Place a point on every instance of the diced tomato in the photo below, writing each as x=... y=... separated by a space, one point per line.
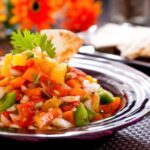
x=77 y=71
x=35 y=98
x=97 y=117
x=75 y=103
x=1 y=53
x=53 y=89
x=6 y=114
x=69 y=106
x=30 y=63
x=1 y=77
x=43 y=77
x=106 y=115
x=20 y=68
x=26 y=113
x=18 y=95
x=56 y=89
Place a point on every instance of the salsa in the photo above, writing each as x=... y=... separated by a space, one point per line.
x=38 y=92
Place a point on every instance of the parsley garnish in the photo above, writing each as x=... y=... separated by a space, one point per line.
x=25 y=40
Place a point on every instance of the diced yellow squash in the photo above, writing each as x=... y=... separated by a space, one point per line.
x=58 y=73
x=51 y=103
x=44 y=65
x=95 y=102
x=5 y=70
x=91 y=79
x=19 y=60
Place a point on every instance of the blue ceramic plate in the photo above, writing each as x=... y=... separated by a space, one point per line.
x=132 y=85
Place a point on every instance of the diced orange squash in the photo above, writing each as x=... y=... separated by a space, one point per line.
x=111 y=107
x=69 y=116
x=8 y=88
x=55 y=112
x=73 y=83
x=45 y=66
x=4 y=81
x=58 y=73
x=33 y=92
x=97 y=117
x=17 y=82
x=45 y=118
x=115 y=104
x=77 y=91
x=30 y=74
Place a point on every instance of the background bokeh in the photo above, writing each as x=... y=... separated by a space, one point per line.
x=74 y=15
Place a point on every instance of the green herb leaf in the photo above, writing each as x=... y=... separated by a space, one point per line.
x=25 y=40
x=46 y=45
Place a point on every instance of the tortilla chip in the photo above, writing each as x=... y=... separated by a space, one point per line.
x=66 y=43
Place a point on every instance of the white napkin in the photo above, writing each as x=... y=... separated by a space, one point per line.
x=132 y=41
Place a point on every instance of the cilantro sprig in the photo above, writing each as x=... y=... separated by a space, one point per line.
x=25 y=40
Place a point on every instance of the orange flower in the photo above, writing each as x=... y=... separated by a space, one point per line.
x=32 y=13
x=3 y=16
x=58 y=4
x=77 y=15
x=80 y=15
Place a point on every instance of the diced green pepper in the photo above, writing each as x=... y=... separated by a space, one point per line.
x=81 y=116
x=106 y=97
x=91 y=113
x=7 y=101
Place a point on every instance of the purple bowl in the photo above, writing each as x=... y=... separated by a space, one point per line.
x=132 y=85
